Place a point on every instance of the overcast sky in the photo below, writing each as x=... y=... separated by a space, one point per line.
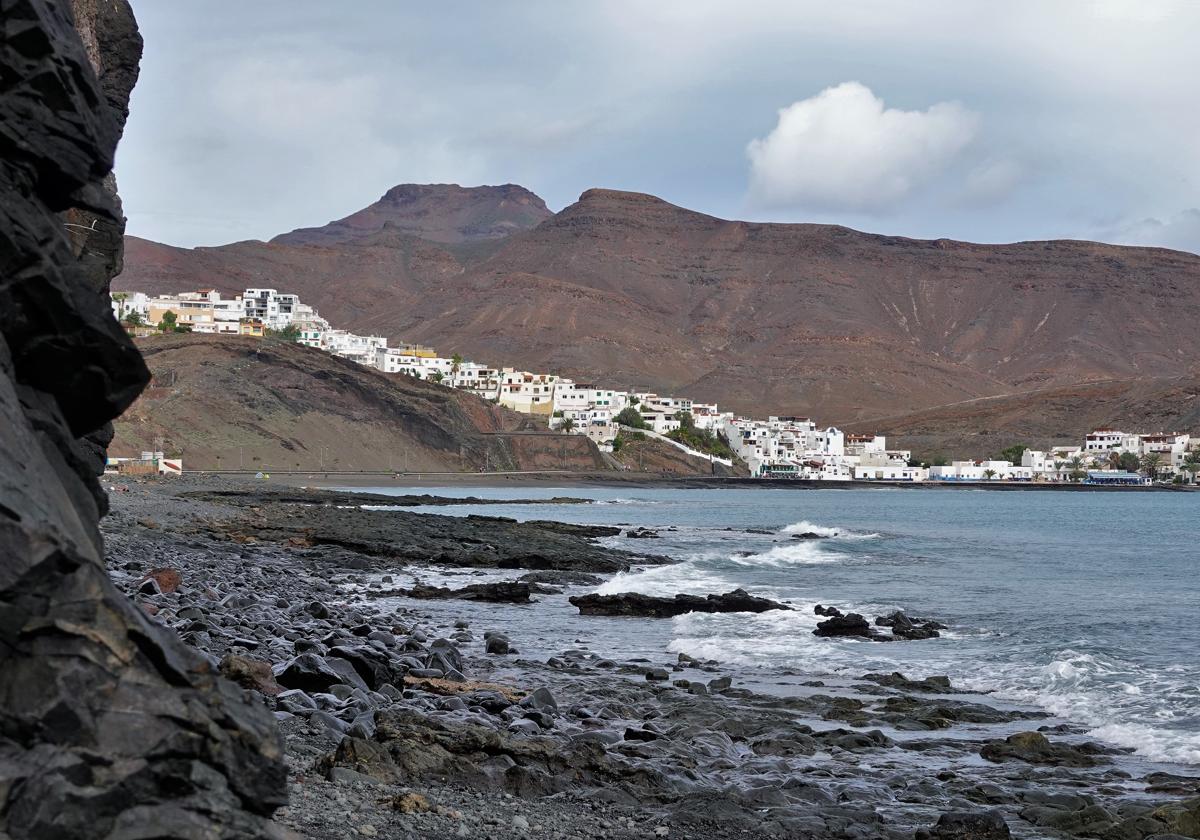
x=987 y=121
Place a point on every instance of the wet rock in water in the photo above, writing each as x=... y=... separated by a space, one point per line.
x=562 y=578
x=832 y=612
x=317 y=610
x=587 y=531
x=1036 y=748
x=634 y=603
x=851 y=625
x=720 y=683
x=165 y=580
x=810 y=535
x=1160 y=782
x=307 y=672
x=968 y=825
x=904 y=627
x=496 y=644
x=658 y=674
x=642 y=534
x=507 y=592
x=937 y=684
x=255 y=674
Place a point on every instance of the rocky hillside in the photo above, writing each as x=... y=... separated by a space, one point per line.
x=765 y=318
x=234 y=403
x=1057 y=415
x=445 y=213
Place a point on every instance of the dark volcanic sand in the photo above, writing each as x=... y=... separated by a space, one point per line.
x=575 y=746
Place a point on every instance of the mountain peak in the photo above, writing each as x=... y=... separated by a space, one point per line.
x=445 y=213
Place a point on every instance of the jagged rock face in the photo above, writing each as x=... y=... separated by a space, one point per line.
x=109 y=726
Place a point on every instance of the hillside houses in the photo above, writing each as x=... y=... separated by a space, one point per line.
x=777 y=447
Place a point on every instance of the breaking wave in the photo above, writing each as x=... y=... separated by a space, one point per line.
x=806 y=527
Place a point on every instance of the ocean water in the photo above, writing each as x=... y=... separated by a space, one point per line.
x=1085 y=605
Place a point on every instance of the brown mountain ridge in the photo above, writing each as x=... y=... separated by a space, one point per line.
x=627 y=289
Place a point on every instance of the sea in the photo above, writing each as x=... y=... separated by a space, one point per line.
x=1086 y=605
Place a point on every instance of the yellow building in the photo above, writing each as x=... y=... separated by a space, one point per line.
x=250 y=326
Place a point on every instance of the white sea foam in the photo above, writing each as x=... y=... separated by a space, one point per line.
x=667 y=581
x=806 y=527
x=790 y=554
x=1152 y=743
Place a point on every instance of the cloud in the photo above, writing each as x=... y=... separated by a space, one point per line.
x=993 y=180
x=843 y=149
x=1180 y=231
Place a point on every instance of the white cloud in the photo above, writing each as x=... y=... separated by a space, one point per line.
x=843 y=149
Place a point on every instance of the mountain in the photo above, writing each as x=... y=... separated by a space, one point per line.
x=445 y=213
x=627 y=289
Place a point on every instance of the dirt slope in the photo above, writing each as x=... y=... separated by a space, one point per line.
x=241 y=402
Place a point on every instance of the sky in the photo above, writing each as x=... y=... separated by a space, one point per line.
x=984 y=121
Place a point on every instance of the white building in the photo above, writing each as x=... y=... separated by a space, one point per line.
x=528 y=393
x=889 y=472
x=348 y=345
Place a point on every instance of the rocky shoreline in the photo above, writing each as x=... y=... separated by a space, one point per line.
x=412 y=717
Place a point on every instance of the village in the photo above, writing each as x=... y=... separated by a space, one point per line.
x=777 y=447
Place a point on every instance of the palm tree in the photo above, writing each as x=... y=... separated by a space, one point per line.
x=1151 y=464
x=1191 y=464
x=455 y=364
x=1077 y=467
x=567 y=425
x=1058 y=467
x=989 y=474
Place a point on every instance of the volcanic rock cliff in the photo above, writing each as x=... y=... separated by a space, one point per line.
x=109 y=726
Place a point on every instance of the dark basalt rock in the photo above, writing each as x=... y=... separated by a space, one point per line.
x=633 y=603
x=109 y=725
x=968 y=825
x=851 y=624
x=642 y=534
x=1036 y=748
x=507 y=592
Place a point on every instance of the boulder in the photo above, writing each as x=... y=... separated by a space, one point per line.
x=307 y=672
x=369 y=758
x=634 y=603
x=1036 y=748
x=166 y=580
x=251 y=673
x=375 y=667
